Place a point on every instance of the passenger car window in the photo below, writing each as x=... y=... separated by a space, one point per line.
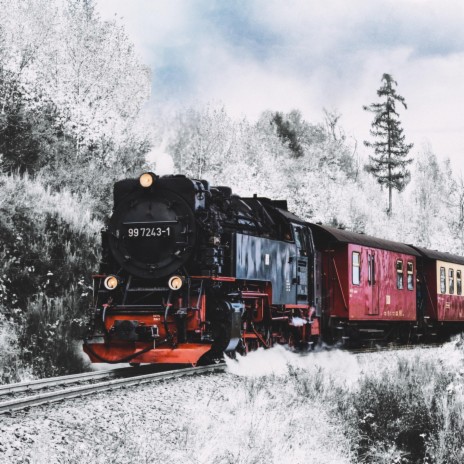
x=399 y=274
x=410 y=275
x=458 y=283
x=369 y=269
x=356 y=268
x=442 y=280
x=451 y=280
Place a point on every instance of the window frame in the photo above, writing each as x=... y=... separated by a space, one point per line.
x=356 y=266
x=300 y=240
x=373 y=268
x=451 y=280
x=410 y=275
x=369 y=269
x=442 y=280
x=399 y=272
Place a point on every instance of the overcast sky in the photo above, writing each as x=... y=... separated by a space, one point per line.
x=254 y=55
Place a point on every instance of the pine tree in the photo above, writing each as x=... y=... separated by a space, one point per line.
x=389 y=163
x=287 y=132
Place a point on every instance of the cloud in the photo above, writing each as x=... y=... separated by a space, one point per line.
x=306 y=54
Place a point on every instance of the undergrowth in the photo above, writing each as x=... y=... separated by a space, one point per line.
x=392 y=408
x=50 y=247
x=275 y=406
x=409 y=411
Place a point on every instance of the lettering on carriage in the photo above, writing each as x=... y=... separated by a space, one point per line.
x=396 y=313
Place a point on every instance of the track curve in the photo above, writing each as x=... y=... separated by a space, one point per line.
x=75 y=392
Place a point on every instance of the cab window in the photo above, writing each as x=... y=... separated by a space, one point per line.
x=301 y=242
x=287 y=234
x=356 y=268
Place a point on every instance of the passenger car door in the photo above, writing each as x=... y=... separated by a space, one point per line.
x=372 y=288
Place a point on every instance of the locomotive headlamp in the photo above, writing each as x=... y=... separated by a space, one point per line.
x=146 y=180
x=175 y=282
x=111 y=282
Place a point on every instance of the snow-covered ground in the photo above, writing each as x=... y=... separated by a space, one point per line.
x=271 y=407
x=254 y=413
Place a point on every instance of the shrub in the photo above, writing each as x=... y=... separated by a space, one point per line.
x=392 y=414
x=51 y=248
x=11 y=366
x=49 y=333
x=408 y=411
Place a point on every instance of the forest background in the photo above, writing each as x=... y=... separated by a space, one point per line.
x=73 y=119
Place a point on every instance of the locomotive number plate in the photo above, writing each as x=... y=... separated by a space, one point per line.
x=155 y=232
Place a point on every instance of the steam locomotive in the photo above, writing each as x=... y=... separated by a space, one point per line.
x=190 y=271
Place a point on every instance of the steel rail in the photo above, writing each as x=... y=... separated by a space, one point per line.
x=75 y=392
x=58 y=395
x=383 y=349
x=63 y=380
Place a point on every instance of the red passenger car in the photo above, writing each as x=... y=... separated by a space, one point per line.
x=369 y=285
x=440 y=295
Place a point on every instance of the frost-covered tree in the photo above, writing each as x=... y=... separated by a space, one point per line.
x=71 y=92
x=87 y=66
x=429 y=195
x=389 y=162
x=254 y=157
x=201 y=141
x=453 y=196
x=100 y=78
x=317 y=146
x=287 y=130
x=27 y=126
x=457 y=225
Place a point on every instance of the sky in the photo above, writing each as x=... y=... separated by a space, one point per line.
x=256 y=55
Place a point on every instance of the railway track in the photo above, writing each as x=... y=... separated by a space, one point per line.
x=29 y=387
x=59 y=394
x=33 y=385
x=381 y=349
x=117 y=378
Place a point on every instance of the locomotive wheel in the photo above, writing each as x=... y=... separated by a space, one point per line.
x=315 y=342
x=211 y=357
x=404 y=334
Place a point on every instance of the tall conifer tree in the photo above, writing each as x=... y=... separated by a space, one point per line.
x=389 y=162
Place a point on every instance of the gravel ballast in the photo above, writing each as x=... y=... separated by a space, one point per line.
x=248 y=415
